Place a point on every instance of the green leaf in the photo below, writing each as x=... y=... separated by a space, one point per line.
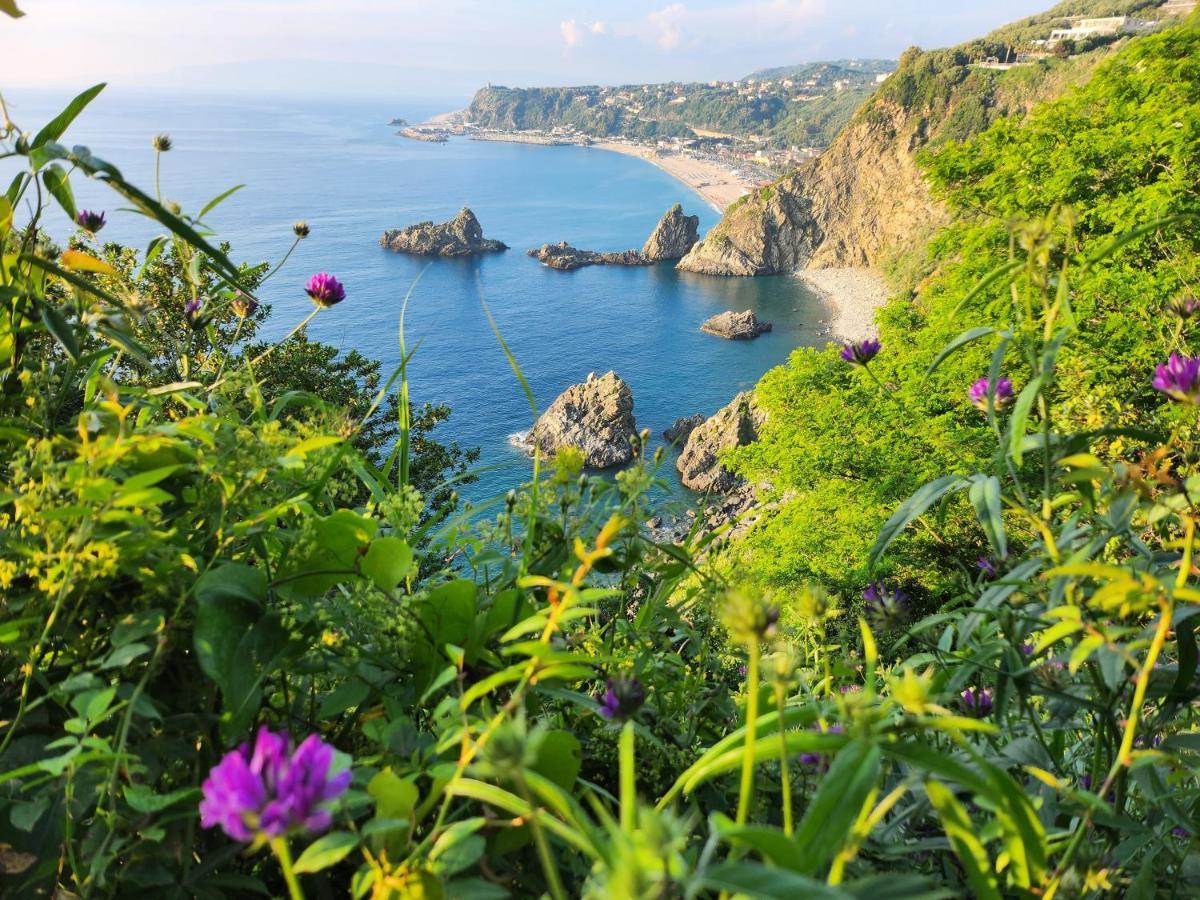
x=957 y=344
x=228 y=600
x=559 y=758
x=352 y=693
x=54 y=129
x=387 y=561
x=9 y=8
x=458 y=846
x=834 y=808
x=914 y=506
x=59 y=185
x=61 y=331
x=142 y=798
x=751 y=879
x=985 y=497
x=775 y=847
x=325 y=852
x=218 y=200
x=962 y=834
x=1020 y=413
x=449 y=612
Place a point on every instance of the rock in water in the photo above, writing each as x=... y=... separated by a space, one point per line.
x=736 y=326
x=564 y=257
x=683 y=427
x=461 y=236
x=673 y=236
x=595 y=417
x=735 y=425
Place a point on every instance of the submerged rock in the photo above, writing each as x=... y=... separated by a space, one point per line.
x=566 y=258
x=461 y=236
x=736 y=326
x=735 y=425
x=673 y=237
x=682 y=428
x=596 y=417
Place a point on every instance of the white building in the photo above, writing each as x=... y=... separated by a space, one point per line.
x=1106 y=27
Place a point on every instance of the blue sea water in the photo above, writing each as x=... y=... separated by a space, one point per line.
x=341 y=168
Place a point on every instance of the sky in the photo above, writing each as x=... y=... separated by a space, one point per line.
x=448 y=48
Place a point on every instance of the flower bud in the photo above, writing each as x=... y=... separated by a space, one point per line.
x=161 y=143
x=300 y=229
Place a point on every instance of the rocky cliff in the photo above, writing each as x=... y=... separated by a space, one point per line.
x=865 y=201
x=673 y=236
x=595 y=417
x=735 y=326
x=732 y=426
x=461 y=236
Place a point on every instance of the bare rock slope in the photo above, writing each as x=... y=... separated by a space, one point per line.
x=461 y=236
x=735 y=425
x=673 y=236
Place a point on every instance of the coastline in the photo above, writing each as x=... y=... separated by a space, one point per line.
x=852 y=295
x=715 y=183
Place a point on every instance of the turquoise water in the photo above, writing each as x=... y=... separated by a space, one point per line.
x=342 y=169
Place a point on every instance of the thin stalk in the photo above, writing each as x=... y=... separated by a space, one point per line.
x=746 y=793
x=545 y=856
x=785 y=772
x=279 y=847
x=628 y=780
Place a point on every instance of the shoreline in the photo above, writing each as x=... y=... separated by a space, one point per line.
x=715 y=183
x=852 y=295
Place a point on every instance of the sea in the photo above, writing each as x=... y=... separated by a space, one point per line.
x=339 y=166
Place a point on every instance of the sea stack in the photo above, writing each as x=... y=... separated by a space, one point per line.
x=673 y=237
x=735 y=425
x=461 y=236
x=565 y=258
x=595 y=417
x=736 y=326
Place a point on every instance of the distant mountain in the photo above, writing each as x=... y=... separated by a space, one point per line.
x=802 y=105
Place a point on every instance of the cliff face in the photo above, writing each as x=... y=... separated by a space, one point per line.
x=865 y=200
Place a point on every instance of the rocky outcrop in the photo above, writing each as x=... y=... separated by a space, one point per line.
x=678 y=432
x=865 y=199
x=564 y=257
x=735 y=425
x=736 y=326
x=596 y=417
x=461 y=236
x=673 y=236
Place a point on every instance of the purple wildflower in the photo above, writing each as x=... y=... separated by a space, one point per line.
x=325 y=290
x=243 y=305
x=1184 y=306
x=1179 y=378
x=89 y=220
x=817 y=760
x=271 y=789
x=1027 y=649
x=978 y=393
x=885 y=605
x=1179 y=832
x=622 y=699
x=986 y=567
x=859 y=353
x=977 y=701
x=191 y=312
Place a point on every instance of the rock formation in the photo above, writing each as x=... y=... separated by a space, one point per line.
x=673 y=236
x=566 y=258
x=596 y=417
x=735 y=425
x=461 y=236
x=736 y=326
x=682 y=428
x=865 y=199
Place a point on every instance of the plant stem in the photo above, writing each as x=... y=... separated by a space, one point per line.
x=279 y=847
x=747 y=788
x=549 y=867
x=628 y=780
x=785 y=773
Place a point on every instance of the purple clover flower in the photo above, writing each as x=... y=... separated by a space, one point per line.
x=325 y=290
x=1179 y=378
x=191 y=312
x=978 y=393
x=977 y=701
x=89 y=220
x=859 y=353
x=986 y=567
x=1184 y=306
x=622 y=699
x=271 y=789
x=817 y=760
x=885 y=605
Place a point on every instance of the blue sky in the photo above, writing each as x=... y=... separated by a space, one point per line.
x=445 y=49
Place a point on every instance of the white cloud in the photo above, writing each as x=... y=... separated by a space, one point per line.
x=667 y=24
x=572 y=33
x=598 y=28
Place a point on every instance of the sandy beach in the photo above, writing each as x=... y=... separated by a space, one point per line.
x=712 y=181
x=853 y=295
